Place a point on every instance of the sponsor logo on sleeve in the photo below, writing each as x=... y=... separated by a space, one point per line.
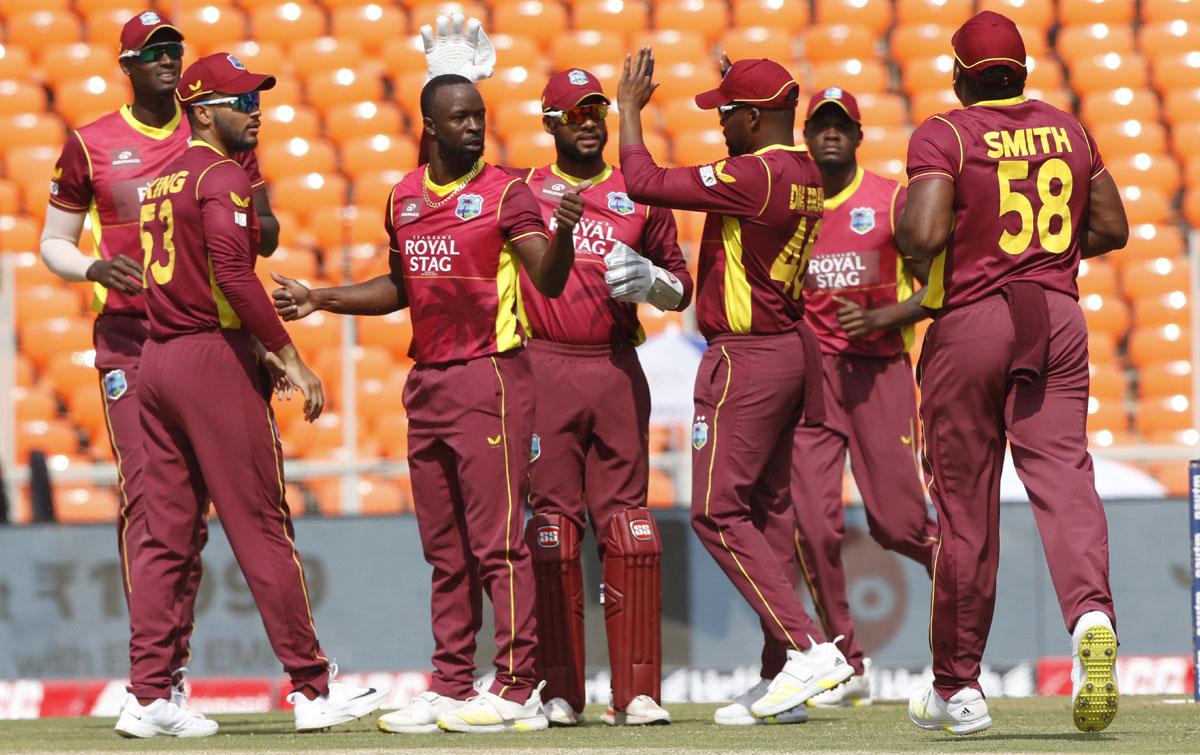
x=620 y=203
x=469 y=206
x=707 y=175
x=699 y=433
x=577 y=77
x=548 y=536
x=862 y=220
x=115 y=384
x=641 y=530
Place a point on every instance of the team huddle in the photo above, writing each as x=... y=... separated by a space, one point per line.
x=523 y=285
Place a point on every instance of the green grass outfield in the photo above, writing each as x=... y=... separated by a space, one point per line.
x=1144 y=724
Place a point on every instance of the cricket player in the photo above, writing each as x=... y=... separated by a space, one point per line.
x=759 y=377
x=460 y=231
x=101 y=174
x=858 y=299
x=206 y=415
x=1005 y=196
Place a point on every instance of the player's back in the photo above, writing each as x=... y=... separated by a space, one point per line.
x=181 y=287
x=1022 y=171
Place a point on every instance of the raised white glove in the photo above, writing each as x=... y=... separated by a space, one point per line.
x=633 y=278
x=451 y=50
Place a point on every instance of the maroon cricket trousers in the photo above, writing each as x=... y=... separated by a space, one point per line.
x=119 y=340
x=969 y=405
x=469 y=432
x=870 y=412
x=209 y=432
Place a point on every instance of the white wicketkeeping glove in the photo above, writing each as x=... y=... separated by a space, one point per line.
x=451 y=50
x=633 y=278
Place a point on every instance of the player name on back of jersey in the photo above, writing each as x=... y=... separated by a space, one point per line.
x=1027 y=142
x=163 y=185
x=430 y=255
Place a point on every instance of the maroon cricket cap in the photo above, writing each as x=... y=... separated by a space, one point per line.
x=986 y=40
x=138 y=30
x=837 y=97
x=219 y=72
x=763 y=83
x=566 y=89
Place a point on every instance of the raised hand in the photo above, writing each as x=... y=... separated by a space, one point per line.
x=636 y=85
x=121 y=273
x=293 y=299
x=451 y=49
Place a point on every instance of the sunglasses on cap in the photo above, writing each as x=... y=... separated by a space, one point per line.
x=151 y=53
x=243 y=103
x=581 y=114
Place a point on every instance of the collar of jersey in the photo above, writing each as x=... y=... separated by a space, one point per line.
x=834 y=202
x=772 y=147
x=1002 y=103
x=151 y=131
x=575 y=180
x=202 y=143
x=442 y=190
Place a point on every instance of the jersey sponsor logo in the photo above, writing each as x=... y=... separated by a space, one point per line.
x=410 y=209
x=553 y=188
x=115 y=384
x=548 y=536
x=577 y=77
x=469 y=206
x=535 y=447
x=128 y=156
x=235 y=63
x=699 y=433
x=708 y=176
x=430 y=255
x=149 y=18
x=641 y=530
x=862 y=220
x=843 y=270
x=620 y=203
x=592 y=235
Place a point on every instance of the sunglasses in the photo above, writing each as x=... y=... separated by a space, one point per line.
x=725 y=110
x=151 y=53
x=579 y=115
x=243 y=103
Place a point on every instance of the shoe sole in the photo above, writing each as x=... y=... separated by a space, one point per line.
x=536 y=723
x=956 y=729
x=407 y=728
x=838 y=676
x=624 y=719
x=140 y=730
x=1096 y=704
x=363 y=706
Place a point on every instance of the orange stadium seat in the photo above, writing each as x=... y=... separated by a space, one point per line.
x=883 y=143
x=46 y=26
x=34 y=404
x=838 y=42
x=1107 y=382
x=1182 y=105
x=1113 y=70
x=391 y=430
x=17 y=96
x=1106 y=415
x=25 y=373
x=1173 y=72
x=378 y=398
x=18 y=233
x=284 y=122
x=372 y=189
x=585 y=47
x=342 y=86
x=298 y=155
x=66 y=61
x=541 y=20
x=324 y=54
x=350 y=122
x=67 y=371
x=1149 y=171
x=32 y=164
x=1191 y=205
x=623 y=17
x=1163 y=344
x=927 y=103
x=30 y=129
x=10 y=197
x=426 y=11
x=924 y=74
x=517 y=50
x=674 y=46
x=76 y=503
x=680 y=115
x=335 y=227
x=1106 y=314
x=878 y=109
x=655 y=321
x=287 y=22
x=660 y=491
x=1095 y=11
x=392 y=331
x=507 y=84
x=1174 y=477
x=893 y=169
x=83 y=100
x=1148 y=242
x=1154 y=11
x=683 y=79
x=1129 y=138
x=1091 y=40
x=861 y=77
x=56 y=436
x=46 y=302
x=373 y=25
x=763 y=41
x=404 y=55
x=9 y=7
x=315 y=332
x=303 y=193
x=920 y=41
x=1027 y=14
x=294 y=263
x=380 y=152
x=515 y=116
x=949 y=12
x=528 y=148
x=707 y=17
x=1045 y=74
x=370 y=363
x=379 y=497
x=1169 y=37
x=875 y=15
x=1118 y=105
x=14 y=61
x=699 y=147
x=1145 y=205
x=1155 y=278
x=207 y=28
x=1097 y=276
x=777 y=14
x=1159 y=415
x=1168 y=309
x=43 y=337
x=30 y=271
x=85 y=407
x=1164 y=379
x=267 y=57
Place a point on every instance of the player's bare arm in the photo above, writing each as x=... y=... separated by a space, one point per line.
x=1107 y=226
x=924 y=227
x=268 y=224
x=381 y=295
x=549 y=263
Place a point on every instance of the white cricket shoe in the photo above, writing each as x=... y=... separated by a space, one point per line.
x=1093 y=672
x=490 y=714
x=181 y=689
x=964 y=713
x=806 y=673
x=343 y=702
x=737 y=713
x=419 y=716
x=854 y=693
x=641 y=711
x=161 y=718
x=562 y=713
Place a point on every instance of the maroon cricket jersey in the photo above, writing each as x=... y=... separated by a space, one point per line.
x=1022 y=173
x=197 y=225
x=764 y=210
x=103 y=168
x=460 y=271
x=585 y=314
x=856 y=258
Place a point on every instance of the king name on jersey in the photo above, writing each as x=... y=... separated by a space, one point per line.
x=430 y=255
x=592 y=235
x=843 y=270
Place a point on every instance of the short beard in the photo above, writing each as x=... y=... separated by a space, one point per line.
x=569 y=150
x=233 y=141
x=452 y=153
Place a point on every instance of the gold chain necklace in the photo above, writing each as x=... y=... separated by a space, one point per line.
x=462 y=182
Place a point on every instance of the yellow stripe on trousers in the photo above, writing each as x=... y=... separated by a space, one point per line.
x=512 y=604
x=712 y=455
x=812 y=587
x=124 y=530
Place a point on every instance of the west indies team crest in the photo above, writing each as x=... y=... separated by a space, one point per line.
x=699 y=433
x=535 y=447
x=469 y=206
x=115 y=384
x=620 y=203
x=862 y=220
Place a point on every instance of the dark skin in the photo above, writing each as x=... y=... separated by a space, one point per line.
x=833 y=139
x=455 y=131
x=925 y=226
x=579 y=147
